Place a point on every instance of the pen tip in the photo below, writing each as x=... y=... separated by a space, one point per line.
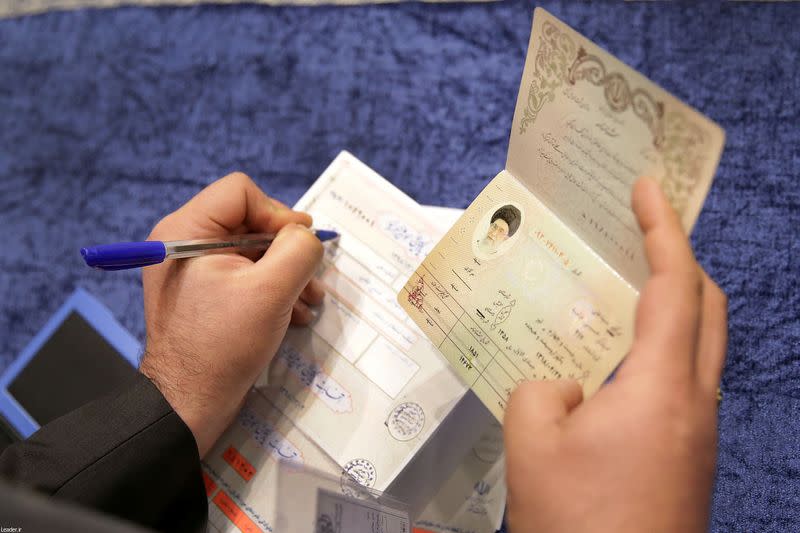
x=326 y=235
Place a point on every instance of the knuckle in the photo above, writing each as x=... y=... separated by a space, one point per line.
x=653 y=237
x=714 y=294
x=721 y=298
x=312 y=244
x=238 y=177
x=689 y=280
x=319 y=250
x=518 y=396
x=161 y=228
x=696 y=283
x=524 y=390
x=688 y=426
x=669 y=232
x=673 y=414
x=688 y=285
x=527 y=393
x=682 y=429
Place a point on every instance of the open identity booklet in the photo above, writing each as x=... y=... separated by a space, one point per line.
x=433 y=316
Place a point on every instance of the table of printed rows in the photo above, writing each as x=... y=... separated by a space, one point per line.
x=480 y=361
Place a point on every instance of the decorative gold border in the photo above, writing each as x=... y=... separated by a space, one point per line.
x=550 y=68
x=684 y=152
x=618 y=93
x=680 y=141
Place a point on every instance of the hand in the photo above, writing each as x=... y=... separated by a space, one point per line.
x=215 y=322
x=640 y=454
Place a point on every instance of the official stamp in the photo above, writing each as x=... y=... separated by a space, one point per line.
x=489 y=447
x=406 y=421
x=360 y=470
x=325 y=524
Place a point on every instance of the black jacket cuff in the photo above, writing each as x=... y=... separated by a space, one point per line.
x=128 y=454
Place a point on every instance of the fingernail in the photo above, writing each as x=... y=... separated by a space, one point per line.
x=653 y=184
x=289 y=228
x=317 y=311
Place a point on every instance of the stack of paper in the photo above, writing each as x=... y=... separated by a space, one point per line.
x=362 y=392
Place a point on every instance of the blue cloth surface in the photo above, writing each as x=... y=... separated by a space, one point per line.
x=111 y=119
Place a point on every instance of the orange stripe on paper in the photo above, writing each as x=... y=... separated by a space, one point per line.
x=420 y=530
x=235 y=514
x=209 y=483
x=239 y=463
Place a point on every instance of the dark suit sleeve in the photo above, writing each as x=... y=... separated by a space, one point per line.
x=128 y=454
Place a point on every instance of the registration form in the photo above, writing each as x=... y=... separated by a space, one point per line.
x=241 y=471
x=362 y=381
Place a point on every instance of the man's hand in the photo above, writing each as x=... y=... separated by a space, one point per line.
x=640 y=454
x=215 y=322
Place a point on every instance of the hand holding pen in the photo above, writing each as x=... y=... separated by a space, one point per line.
x=215 y=322
x=125 y=255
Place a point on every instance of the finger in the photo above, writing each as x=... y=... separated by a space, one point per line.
x=254 y=254
x=668 y=313
x=666 y=245
x=278 y=204
x=301 y=314
x=289 y=263
x=540 y=403
x=224 y=207
x=314 y=293
x=306 y=221
x=713 y=341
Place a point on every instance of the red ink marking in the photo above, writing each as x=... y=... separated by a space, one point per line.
x=239 y=463
x=209 y=484
x=235 y=513
x=417 y=295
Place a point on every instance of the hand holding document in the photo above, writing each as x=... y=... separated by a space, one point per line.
x=539 y=278
x=651 y=433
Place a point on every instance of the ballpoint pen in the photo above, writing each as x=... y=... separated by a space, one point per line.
x=124 y=255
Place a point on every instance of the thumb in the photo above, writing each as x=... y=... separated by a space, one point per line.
x=289 y=263
x=541 y=403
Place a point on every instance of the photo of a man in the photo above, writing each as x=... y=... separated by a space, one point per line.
x=502 y=226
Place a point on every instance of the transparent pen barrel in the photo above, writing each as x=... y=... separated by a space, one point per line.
x=197 y=247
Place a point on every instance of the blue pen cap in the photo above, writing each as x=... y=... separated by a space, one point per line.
x=122 y=255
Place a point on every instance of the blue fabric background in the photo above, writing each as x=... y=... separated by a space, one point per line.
x=111 y=119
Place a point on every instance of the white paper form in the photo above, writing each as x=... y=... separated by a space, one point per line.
x=241 y=470
x=241 y=476
x=363 y=382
